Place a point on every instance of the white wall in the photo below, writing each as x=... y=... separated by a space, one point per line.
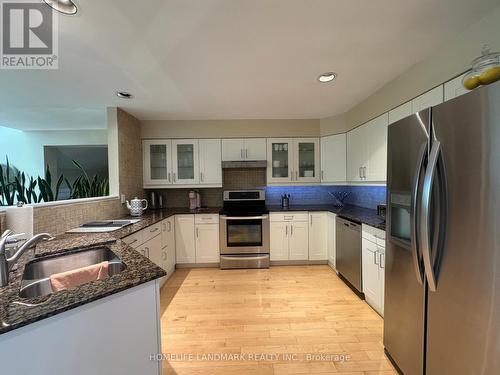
x=449 y=61
x=25 y=148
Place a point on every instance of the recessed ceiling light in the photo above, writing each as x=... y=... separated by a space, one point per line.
x=124 y=95
x=63 y=6
x=327 y=77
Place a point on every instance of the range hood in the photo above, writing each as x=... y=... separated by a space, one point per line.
x=244 y=164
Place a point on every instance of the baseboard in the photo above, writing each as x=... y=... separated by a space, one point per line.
x=332 y=266
x=197 y=265
x=297 y=262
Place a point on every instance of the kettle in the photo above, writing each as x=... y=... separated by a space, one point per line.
x=285 y=201
x=136 y=206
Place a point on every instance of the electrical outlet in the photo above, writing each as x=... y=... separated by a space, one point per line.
x=122 y=199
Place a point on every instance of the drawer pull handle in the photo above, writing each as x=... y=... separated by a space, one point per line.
x=153 y=230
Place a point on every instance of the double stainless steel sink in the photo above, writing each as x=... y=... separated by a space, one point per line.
x=36 y=276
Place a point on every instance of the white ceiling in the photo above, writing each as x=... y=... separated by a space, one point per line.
x=227 y=59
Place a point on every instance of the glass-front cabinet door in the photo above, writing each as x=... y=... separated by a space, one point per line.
x=307 y=160
x=157 y=162
x=280 y=160
x=185 y=161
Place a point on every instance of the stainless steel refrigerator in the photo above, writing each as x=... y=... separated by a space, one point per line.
x=442 y=277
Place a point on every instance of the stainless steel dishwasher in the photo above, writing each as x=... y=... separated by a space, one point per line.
x=348 y=246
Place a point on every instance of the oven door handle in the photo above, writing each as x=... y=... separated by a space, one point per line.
x=263 y=217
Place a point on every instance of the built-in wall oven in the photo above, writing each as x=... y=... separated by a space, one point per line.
x=244 y=230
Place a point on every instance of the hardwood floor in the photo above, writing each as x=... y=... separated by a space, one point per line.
x=252 y=319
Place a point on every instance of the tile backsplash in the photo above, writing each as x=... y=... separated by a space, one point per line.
x=210 y=197
x=363 y=196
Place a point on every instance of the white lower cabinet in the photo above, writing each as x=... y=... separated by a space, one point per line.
x=373 y=266
x=289 y=237
x=332 y=253
x=207 y=243
x=168 y=244
x=279 y=241
x=197 y=238
x=150 y=243
x=184 y=239
x=154 y=251
x=318 y=236
x=299 y=235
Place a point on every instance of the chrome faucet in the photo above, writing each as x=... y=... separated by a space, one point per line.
x=6 y=264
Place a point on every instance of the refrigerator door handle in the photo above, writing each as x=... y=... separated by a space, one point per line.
x=426 y=212
x=415 y=248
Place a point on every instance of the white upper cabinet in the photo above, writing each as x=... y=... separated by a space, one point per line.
x=318 y=236
x=188 y=162
x=356 y=153
x=307 y=159
x=367 y=151
x=376 y=166
x=233 y=149
x=454 y=88
x=398 y=113
x=428 y=99
x=240 y=149
x=185 y=161
x=333 y=158
x=255 y=149
x=157 y=158
x=210 y=162
x=293 y=160
x=280 y=160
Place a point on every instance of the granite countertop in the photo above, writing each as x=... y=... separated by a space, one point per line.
x=358 y=214
x=16 y=312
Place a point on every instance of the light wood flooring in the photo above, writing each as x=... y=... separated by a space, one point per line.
x=299 y=310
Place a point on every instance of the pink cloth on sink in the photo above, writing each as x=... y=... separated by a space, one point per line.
x=73 y=278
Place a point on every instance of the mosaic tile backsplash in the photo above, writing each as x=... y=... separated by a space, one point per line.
x=363 y=196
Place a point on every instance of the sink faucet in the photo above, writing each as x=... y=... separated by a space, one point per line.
x=6 y=264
